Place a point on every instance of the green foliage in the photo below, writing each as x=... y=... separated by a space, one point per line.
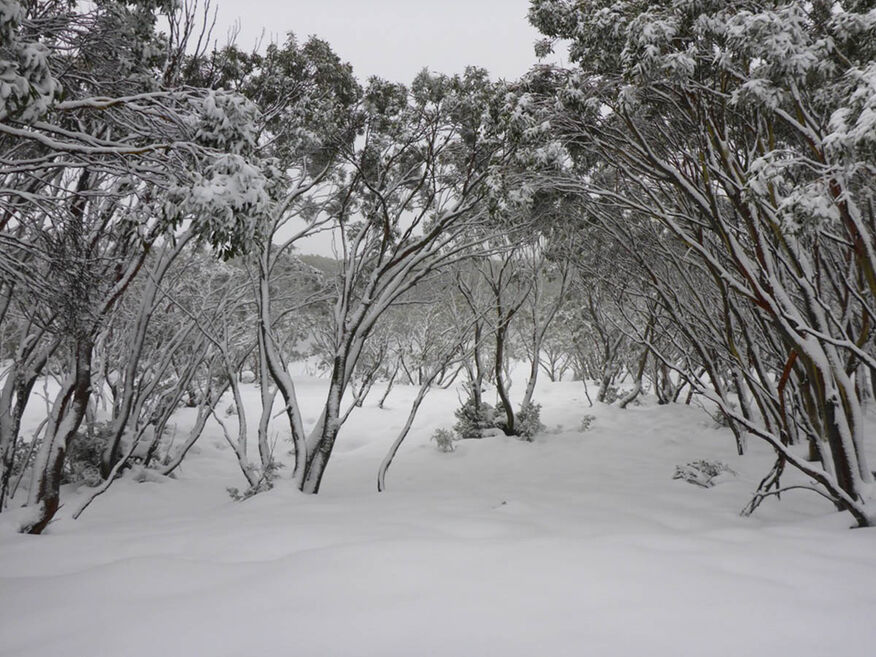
x=528 y=421
x=611 y=394
x=265 y=483
x=240 y=495
x=84 y=455
x=471 y=419
x=702 y=473
x=444 y=439
x=587 y=422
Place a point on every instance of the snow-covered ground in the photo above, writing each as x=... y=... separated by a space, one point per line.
x=578 y=544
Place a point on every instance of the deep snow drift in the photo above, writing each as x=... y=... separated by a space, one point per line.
x=580 y=543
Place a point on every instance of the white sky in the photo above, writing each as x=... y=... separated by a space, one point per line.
x=396 y=38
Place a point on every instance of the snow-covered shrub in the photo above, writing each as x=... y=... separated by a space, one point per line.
x=611 y=394
x=443 y=439
x=529 y=421
x=587 y=422
x=265 y=483
x=472 y=420
x=702 y=472
x=84 y=455
x=240 y=495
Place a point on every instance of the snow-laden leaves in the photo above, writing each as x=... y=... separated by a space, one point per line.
x=853 y=125
x=224 y=202
x=27 y=86
x=227 y=122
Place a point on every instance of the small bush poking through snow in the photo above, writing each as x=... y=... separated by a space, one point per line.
x=84 y=455
x=611 y=394
x=702 y=473
x=529 y=421
x=587 y=422
x=443 y=439
x=240 y=495
x=472 y=421
x=265 y=483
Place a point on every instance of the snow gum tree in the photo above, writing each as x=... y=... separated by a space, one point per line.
x=412 y=201
x=313 y=131
x=745 y=131
x=308 y=98
x=101 y=162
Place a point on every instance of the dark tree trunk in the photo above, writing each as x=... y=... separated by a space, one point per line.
x=67 y=416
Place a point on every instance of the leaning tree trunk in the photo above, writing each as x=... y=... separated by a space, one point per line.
x=387 y=461
x=14 y=396
x=328 y=427
x=631 y=396
x=66 y=417
x=389 y=385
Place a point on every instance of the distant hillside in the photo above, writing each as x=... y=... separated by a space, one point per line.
x=329 y=266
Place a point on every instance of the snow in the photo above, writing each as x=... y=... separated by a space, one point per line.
x=579 y=543
x=27 y=87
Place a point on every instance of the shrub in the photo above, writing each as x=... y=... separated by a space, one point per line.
x=529 y=421
x=701 y=473
x=471 y=420
x=444 y=439
x=240 y=495
x=587 y=422
x=84 y=454
x=265 y=483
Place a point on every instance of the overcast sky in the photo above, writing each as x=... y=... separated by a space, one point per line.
x=396 y=38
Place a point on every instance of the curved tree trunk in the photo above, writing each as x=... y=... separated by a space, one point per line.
x=67 y=414
x=387 y=460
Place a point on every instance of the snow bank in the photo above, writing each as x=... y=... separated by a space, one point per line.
x=575 y=544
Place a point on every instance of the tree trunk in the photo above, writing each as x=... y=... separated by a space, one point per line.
x=14 y=396
x=389 y=386
x=326 y=431
x=387 y=461
x=66 y=417
x=267 y=398
x=630 y=397
x=277 y=369
x=500 y=383
x=533 y=374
